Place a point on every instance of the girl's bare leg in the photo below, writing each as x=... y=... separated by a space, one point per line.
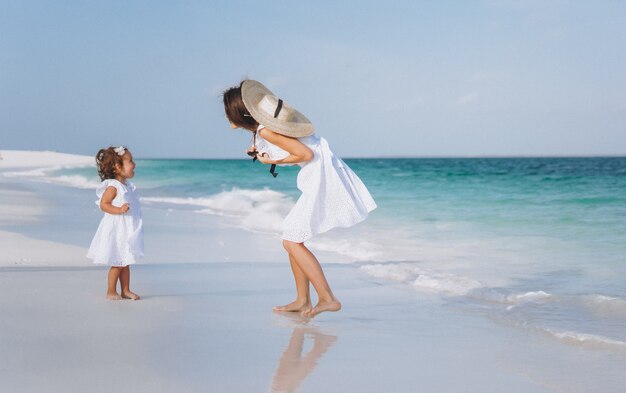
x=114 y=275
x=303 y=299
x=125 y=283
x=312 y=269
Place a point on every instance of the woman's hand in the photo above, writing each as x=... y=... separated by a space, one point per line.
x=298 y=151
x=264 y=158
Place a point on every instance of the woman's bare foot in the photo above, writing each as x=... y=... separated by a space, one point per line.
x=130 y=295
x=113 y=296
x=321 y=307
x=295 y=306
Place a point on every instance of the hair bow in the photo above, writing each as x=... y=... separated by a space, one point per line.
x=120 y=150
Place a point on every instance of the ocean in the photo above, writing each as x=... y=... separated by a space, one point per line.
x=532 y=243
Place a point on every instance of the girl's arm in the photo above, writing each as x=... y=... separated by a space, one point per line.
x=298 y=151
x=106 y=204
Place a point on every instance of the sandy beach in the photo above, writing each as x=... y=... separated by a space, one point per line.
x=205 y=322
x=208 y=327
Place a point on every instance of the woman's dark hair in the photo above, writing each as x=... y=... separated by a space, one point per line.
x=236 y=111
x=106 y=160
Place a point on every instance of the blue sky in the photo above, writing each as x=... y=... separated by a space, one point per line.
x=394 y=78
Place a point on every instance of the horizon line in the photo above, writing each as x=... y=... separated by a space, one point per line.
x=400 y=156
x=623 y=155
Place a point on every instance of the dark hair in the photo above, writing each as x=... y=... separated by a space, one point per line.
x=236 y=111
x=106 y=160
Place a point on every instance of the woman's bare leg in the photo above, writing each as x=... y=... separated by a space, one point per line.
x=114 y=275
x=303 y=297
x=312 y=269
x=125 y=283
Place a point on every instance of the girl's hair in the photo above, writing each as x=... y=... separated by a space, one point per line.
x=236 y=111
x=106 y=160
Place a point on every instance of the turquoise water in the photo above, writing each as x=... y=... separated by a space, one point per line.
x=539 y=243
x=571 y=200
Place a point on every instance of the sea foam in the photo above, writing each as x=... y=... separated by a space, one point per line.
x=605 y=306
x=586 y=340
x=263 y=211
x=258 y=210
x=44 y=175
x=424 y=280
x=358 y=249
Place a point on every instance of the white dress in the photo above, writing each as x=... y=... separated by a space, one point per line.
x=332 y=194
x=119 y=238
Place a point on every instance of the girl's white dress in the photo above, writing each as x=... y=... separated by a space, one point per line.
x=332 y=194
x=119 y=238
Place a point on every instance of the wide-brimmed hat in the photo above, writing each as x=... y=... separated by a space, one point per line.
x=267 y=109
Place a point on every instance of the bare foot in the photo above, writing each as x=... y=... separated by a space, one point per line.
x=295 y=306
x=322 y=307
x=130 y=295
x=113 y=296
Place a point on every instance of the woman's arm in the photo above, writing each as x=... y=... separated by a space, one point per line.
x=106 y=202
x=298 y=151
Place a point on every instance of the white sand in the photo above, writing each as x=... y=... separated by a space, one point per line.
x=209 y=328
x=20 y=206
x=19 y=250
x=12 y=159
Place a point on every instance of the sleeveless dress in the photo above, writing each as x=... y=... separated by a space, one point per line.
x=119 y=238
x=332 y=194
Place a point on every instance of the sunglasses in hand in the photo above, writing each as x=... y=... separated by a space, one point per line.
x=254 y=154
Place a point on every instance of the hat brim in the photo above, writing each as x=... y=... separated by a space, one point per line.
x=252 y=92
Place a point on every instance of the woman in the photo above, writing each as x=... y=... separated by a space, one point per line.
x=332 y=194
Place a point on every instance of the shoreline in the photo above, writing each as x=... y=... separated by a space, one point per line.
x=196 y=322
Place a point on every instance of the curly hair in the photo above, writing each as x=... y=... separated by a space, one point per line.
x=106 y=160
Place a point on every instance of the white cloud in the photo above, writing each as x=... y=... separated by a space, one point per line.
x=467 y=99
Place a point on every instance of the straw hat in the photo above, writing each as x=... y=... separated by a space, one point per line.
x=272 y=112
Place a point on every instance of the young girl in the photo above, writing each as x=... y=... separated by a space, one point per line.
x=118 y=242
x=332 y=195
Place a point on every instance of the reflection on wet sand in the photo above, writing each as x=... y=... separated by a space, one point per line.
x=294 y=366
